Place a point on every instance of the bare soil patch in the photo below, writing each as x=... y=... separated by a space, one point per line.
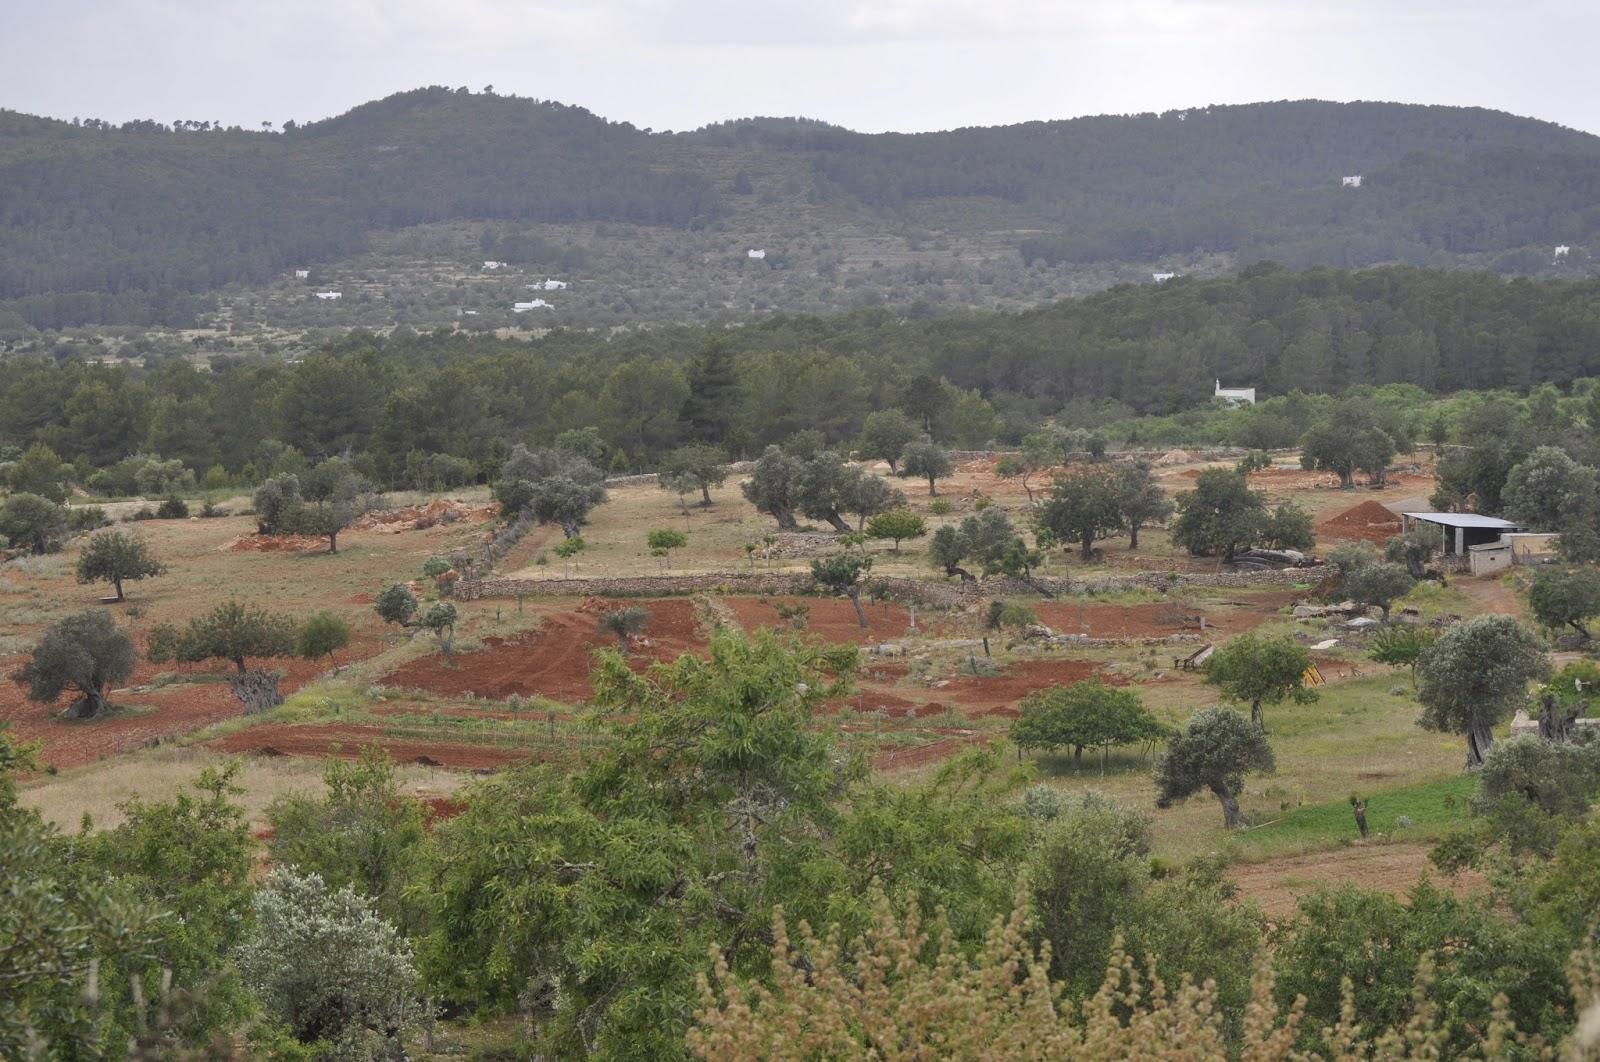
x=899 y=759
x=553 y=661
x=1277 y=884
x=998 y=694
x=832 y=619
x=1368 y=522
x=347 y=740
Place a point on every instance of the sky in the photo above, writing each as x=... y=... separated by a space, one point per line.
x=872 y=65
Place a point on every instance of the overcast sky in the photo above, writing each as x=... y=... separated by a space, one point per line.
x=868 y=64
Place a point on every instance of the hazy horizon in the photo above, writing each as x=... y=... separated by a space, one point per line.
x=900 y=65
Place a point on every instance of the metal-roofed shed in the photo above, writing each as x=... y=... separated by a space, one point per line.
x=1459 y=532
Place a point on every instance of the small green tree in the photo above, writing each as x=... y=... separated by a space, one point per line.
x=1288 y=527
x=841 y=574
x=234 y=632
x=1475 y=676
x=38 y=471
x=1086 y=714
x=34 y=522
x=397 y=604
x=897 y=524
x=1140 y=499
x=1414 y=549
x=884 y=436
x=85 y=652
x=948 y=548
x=1566 y=597
x=336 y=495
x=440 y=618
x=1549 y=491
x=322 y=635
x=116 y=557
x=925 y=459
x=1213 y=752
x=1402 y=646
x=1378 y=584
x=275 y=502
x=663 y=540
x=1257 y=671
x=623 y=624
x=698 y=466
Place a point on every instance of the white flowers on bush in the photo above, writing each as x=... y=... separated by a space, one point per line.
x=329 y=968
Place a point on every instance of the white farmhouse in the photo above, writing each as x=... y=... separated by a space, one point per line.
x=532 y=304
x=757 y=253
x=1162 y=278
x=548 y=285
x=1562 y=250
x=301 y=274
x=1352 y=181
x=492 y=266
x=1235 y=396
x=329 y=296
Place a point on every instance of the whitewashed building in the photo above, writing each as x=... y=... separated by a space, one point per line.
x=301 y=274
x=548 y=285
x=1562 y=250
x=1352 y=181
x=1236 y=396
x=531 y=304
x=492 y=266
x=755 y=252
x=329 y=296
x=1162 y=278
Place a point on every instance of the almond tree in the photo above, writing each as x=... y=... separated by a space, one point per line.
x=115 y=556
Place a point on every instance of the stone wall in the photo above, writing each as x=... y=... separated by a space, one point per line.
x=927 y=591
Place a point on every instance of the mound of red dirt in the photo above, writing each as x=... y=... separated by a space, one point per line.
x=553 y=661
x=1369 y=521
x=277 y=544
x=421 y=517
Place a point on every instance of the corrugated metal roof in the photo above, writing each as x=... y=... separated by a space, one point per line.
x=1493 y=523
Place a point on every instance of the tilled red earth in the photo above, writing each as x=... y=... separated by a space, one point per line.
x=347 y=741
x=831 y=618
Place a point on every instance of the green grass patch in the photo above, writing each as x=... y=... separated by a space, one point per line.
x=1433 y=808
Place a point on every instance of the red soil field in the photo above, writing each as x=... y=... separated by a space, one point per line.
x=917 y=756
x=1368 y=522
x=152 y=717
x=831 y=618
x=347 y=741
x=1017 y=681
x=553 y=661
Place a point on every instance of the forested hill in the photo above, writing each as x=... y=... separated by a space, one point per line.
x=127 y=224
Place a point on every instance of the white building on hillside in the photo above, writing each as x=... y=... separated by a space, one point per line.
x=301 y=274
x=1162 y=278
x=755 y=252
x=1562 y=250
x=492 y=266
x=1237 y=396
x=548 y=285
x=329 y=296
x=1352 y=181
x=532 y=304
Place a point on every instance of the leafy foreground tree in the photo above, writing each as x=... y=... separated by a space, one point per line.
x=117 y=557
x=363 y=833
x=237 y=633
x=1086 y=714
x=906 y=988
x=1213 y=752
x=1475 y=676
x=719 y=798
x=85 y=652
x=696 y=466
x=323 y=963
x=1257 y=671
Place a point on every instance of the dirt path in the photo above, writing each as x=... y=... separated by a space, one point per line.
x=1277 y=884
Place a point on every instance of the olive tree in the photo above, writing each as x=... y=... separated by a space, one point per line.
x=698 y=466
x=948 y=548
x=85 y=652
x=236 y=633
x=1256 y=671
x=323 y=963
x=1213 y=752
x=1566 y=597
x=1475 y=676
x=773 y=487
x=440 y=618
x=1379 y=585
x=1549 y=491
x=623 y=624
x=1221 y=516
x=275 y=502
x=550 y=485
x=1086 y=714
x=116 y=557
x=925 y=459
x=841 y=574
x=885 y=435
x=322 y=635
x=334 y=497
x=1085 y=505
x=1414 y=549
x=1140 y=499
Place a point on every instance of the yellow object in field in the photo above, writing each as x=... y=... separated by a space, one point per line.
x=1313 y=678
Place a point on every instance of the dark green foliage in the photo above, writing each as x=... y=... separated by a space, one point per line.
x=396 y=604
x=38 y=471
x=85 y=652
x=1549 y=491
x=551 y=486
x=1475 y=676
x=623 y=623
x=885 y=434
x=1414 y=549
x=117 y=557
x=322 y=635
x=773 y=486
x=440 y=619
x=699 y=466
x=1221 y=516
x=334 y=496
x=32 y=522
x=1140 y=499
x=172 y=508
x=276 y=502
x=1355 y=437
x=841 y=574
x=1213 y=752
x=1288 y=527
x=234 y=632
x=1085 y=505
x=925 y=459
x=1566 y=597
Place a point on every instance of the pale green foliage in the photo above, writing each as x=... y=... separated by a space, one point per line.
x=1086 y=714
x=233 y=631
x=326 y=965
x=925 y=459
x=896 y=524
x=1476 y=675
x=31 y=521
x=1549 y=491
x=322 y=634
x=1256 y=671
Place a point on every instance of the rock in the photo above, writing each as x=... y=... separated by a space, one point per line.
x=1362 y=623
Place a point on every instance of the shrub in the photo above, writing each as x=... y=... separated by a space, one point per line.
x=173 y=508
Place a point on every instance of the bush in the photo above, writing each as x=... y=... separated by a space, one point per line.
x=87 y=518
x=174 y=508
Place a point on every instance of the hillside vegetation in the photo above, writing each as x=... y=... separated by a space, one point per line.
x=130 y=224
